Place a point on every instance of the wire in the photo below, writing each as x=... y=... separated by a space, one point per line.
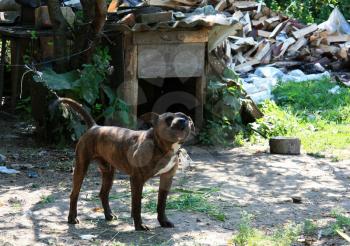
x=48 y=61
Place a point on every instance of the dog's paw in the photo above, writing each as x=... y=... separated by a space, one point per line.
x=166 y=223
x=141 y=227
x=73 y=220
x=110 y=216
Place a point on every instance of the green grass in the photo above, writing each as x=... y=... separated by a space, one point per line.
x=309 y=228
x=308 y=111
x=46 y=199
x=188 y=200
x=250 y=236
x=342 y=221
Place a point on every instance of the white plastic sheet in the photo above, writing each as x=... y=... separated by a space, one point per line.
x=336 y=23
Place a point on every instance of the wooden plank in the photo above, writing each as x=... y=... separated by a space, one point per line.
x=246 y=67
x=264 y=34
x=187 y=2
x=245 y=5
x=297 y=45
x=277 y=29
x=248 y=27
x=257 y=23
x=219 y=33
x=112 y=7
x=329 y=49
x=221 y=5
x=269 y=21
x=262 y=50
x=305 y=31
x=245 y=41
x=340 y=38
x=288 y=42
x=343 y=53
x=252 y=50
x=160 y=37
x=2 y=65
x=171 y=60
x=129 y=88
x=201 y=83
x=163 y=16
x=240 y=58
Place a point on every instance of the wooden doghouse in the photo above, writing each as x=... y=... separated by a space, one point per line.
x=161 y=71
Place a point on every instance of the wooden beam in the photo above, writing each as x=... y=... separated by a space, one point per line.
x=286 y=45
x=297 y=45
x=2 y=65
x=129 y=88
x=264 y=34
x=340 y=38
x=305 y=31
x=161 y=37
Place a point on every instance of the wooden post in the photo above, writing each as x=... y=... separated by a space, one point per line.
x=129 y=88
x=2 y=66
x=200 y=95
x=16 y=53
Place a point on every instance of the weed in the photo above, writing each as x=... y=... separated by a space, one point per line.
x=222 y=110
x=188 y=200
x=247 y=235
x=35 y=186
x=309 y=228
x=239 y=139
x=46 y=199
x=16 y=203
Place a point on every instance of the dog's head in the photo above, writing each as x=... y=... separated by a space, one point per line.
x=171 y=127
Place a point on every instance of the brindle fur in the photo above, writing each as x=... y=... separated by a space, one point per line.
x=140 y=154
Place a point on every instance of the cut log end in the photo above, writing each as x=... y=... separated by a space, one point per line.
x=285 y=145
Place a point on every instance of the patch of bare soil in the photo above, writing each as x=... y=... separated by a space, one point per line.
x=33 y=211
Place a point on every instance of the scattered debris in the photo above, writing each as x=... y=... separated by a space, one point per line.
x=2 y=158
x=88 y=237
x=22 y=166
x=32 y=174
x=6 y=170
x=296 y=199
x=335 y=90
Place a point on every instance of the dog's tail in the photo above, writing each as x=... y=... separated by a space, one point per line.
x=78 y=108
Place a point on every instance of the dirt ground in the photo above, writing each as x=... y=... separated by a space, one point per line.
x=33 y=211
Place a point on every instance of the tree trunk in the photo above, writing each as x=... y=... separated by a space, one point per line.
x=60 y=29
x=87 y=34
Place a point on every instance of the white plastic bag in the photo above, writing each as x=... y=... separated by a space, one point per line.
x=335 y=23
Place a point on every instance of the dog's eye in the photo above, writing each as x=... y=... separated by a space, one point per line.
x=168 y=120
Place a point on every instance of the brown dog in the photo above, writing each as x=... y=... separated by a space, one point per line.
x=140 y=154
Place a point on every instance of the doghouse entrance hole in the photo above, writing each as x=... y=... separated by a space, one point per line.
x=161 y=95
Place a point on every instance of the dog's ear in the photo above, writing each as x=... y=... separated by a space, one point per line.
x=150 y=118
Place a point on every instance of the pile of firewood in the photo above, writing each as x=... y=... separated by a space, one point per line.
x=268 y=37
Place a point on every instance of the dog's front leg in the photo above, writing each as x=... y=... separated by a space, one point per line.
x=136 y=184
x=164 y=187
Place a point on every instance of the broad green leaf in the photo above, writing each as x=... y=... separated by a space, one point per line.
x=109 y=92
x=215 y=85
x=55 y=81
x=232 y=101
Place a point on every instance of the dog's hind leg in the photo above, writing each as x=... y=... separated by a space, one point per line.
x=107 y=172
x=81 y=167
